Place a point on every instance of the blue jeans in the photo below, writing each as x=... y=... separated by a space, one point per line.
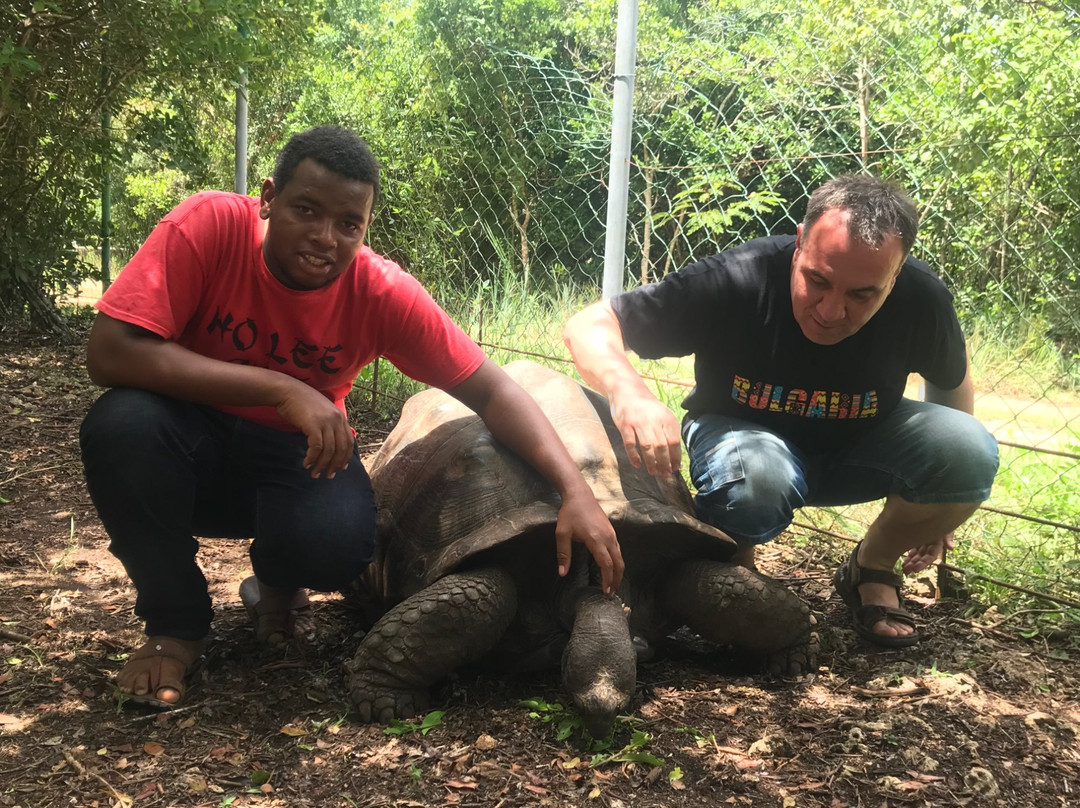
x=750 y=480
x=161 y=471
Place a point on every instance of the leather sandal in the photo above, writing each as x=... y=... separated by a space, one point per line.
x=277 y=627
x=846 y=581
x=167 y=663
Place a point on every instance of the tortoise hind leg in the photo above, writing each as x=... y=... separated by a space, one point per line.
x=728 y=604
x=453 y=621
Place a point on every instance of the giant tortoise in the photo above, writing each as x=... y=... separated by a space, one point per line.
x=466 y=559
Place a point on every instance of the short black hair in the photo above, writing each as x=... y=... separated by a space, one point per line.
x=878 y=209
x=334 y=148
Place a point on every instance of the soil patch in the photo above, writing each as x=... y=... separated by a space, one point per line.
x=974 y=715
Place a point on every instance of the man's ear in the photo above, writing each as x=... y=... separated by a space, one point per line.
x=266 y=196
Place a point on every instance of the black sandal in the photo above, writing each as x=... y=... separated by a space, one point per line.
x=846 y=581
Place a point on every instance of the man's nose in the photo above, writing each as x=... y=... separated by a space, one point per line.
x=323 y=233
x=831 y=307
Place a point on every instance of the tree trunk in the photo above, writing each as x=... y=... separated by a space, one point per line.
x=864 y=112
x=671 y=244
x=646 y=235
x=522 y=214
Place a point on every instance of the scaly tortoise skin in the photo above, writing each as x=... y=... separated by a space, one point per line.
x=465 y=564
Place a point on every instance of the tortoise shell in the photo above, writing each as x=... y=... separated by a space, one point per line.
x=448 y=493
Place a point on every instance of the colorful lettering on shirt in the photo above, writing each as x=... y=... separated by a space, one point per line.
x=832 y=405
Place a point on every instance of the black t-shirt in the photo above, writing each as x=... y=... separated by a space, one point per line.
x=751 y=360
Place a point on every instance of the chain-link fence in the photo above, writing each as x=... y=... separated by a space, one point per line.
x=494 y=137
x=973 y=110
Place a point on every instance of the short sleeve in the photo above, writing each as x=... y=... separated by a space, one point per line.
x=425 y=343
x=942 y=352
x=663 y=318
x=160 y=287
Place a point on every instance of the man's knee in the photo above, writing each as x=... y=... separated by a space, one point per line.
x=125 y=419
x=757 y=500
x=324 y=563
x=962 y=460
x=321 y=541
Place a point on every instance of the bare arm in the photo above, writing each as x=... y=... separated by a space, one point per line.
x=120 y=354
x=961 y=397
x=518 y=423
x=650 y=431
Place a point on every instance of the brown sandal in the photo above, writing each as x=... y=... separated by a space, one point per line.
x=275 y=627
x=846 y=581
x=167 y=664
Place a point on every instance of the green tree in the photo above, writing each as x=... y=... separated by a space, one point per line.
x=146 y=62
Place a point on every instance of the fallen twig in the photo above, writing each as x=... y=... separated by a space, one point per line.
x=8 y=634
x=1020 y=612
x=893 y=692
x=81 y=770
x=30 y=471
x=276 y=666
x=169 y=712
x=978 y=577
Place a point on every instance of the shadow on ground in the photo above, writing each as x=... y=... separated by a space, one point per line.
x=974 y=715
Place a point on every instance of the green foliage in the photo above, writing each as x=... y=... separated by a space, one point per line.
x=568 y=723
x=632 y=752
x=565 y=721
x=424 y=726
x=63 y=67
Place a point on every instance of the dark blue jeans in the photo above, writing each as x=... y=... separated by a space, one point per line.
x=161 y=471
x=750 y=480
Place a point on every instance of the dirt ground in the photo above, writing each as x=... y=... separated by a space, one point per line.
x=975 y=715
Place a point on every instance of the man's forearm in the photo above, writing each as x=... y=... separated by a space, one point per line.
x=595 y=341
x=122 y=355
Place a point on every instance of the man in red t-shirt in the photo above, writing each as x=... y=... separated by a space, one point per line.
x=230 y=341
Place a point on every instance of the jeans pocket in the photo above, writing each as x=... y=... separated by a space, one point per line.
x=722 y=465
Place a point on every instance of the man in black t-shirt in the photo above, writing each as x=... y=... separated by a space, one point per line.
x=802 y=348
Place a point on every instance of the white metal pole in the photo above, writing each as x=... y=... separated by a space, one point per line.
x=240 y=160
x=621 y=129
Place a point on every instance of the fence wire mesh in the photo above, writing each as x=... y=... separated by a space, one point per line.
x=495 y=149
x=972 y=110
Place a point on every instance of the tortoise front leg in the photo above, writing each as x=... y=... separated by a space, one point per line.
x=453 y=621
x=728 y=604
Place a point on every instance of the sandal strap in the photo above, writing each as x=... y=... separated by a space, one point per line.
x=169 y=648
x=865 y=575
x=857 y=574
x=870 y=614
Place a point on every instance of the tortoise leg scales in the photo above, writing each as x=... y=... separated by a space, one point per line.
x=728 y=604
x=453 y=621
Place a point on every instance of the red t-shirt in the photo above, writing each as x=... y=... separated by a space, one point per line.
x=200 y=280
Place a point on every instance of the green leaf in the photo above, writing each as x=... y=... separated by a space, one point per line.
x=636 y=756
x=431 y=720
